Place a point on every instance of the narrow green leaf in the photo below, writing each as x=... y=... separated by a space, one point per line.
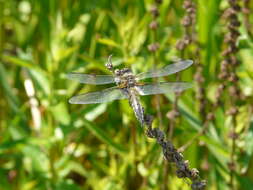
x=100 y=134
x=108 y=42
x=13 y=100
x=60 y=113
x=19 y=61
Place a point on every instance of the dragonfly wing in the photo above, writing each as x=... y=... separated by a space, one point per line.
x=168 y=70
x=106 y=95
x=163 y=87
x=91 y=79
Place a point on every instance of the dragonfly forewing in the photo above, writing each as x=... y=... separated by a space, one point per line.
x=91 y=79
x=168 y=70
x=106 y=95
x=163 y=87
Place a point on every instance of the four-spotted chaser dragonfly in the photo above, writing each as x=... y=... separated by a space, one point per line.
x=128 y=85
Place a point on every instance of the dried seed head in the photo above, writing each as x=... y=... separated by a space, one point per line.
x=229 y=38
x=186 y=21
x=234 y=91
x=233 y=135
x=218 y=94
x=180 y=174
x=154 y=11
x=198 y=185
x=202 y=106
x=180 y=45
x=210 y=116
x=232 y=166
x=223 y=75
x=224 y=65
x=217 y=103
x=242 y=96
x=199 y=67
x=194 y=173
x=246 y=10
x=187 y=4
x=232 y=111
x=159 y=1
x=172 y=114
x=153 y=25
x=148 y=119
x=153 y=47
x=235 y=62
x=198 y=77
x=221 y=87
x=225 y=53
x=187 y=39
x=12 y=174
x=236 y=7
x=191 y=10
x=230 y=13
x=219 y=91
x=160 y=136
x=235 y=34
x=233 y=78
x=186 y=163
x=235 y=22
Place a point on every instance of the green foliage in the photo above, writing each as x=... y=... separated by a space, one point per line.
x=46 y=143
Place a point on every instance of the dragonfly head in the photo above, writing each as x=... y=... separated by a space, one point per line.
x=109 y=65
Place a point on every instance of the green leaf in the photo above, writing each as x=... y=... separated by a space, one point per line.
x=60 y=113
x=101 y=134
x=94 y=113
x=36 y=159
x=217 y=149
x=41 y=81
x=108 y=42
x=248 y=147
x=12 y=144
x=20 y=62
x=13 y=100
x=245 y=182
x=66 y=185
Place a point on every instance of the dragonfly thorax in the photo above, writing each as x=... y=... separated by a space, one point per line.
x=124 y=78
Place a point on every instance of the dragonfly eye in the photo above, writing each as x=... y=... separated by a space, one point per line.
x=117 y=72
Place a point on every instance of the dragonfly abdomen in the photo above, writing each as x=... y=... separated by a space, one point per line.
x=134 y=101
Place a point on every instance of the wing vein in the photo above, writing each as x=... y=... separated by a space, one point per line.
x=168 y=70
x=163 y=87
x=106 y=95
x=91 y=79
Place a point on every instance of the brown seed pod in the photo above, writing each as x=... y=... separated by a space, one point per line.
x=153 y=25
x=153 y=47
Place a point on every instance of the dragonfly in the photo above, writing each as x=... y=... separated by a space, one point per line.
x=129 y=86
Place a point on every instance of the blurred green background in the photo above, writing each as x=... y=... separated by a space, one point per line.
x=46 y=143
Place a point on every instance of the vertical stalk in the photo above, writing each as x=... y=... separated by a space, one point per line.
x=232 y=160
x=153 y=47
